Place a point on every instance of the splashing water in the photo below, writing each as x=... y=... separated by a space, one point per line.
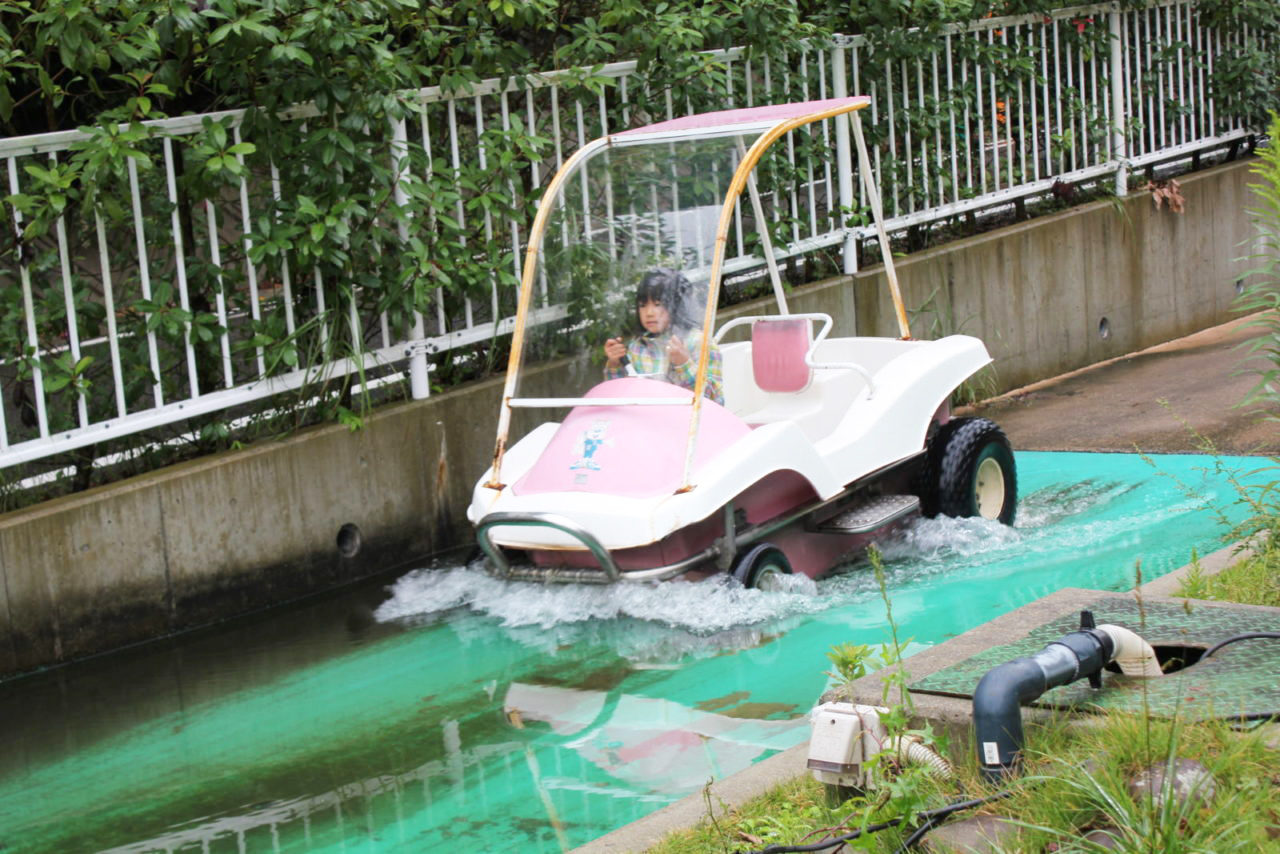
x=925 y=548
x=714 y=605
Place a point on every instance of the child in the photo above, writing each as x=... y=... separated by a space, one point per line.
x=668 y=349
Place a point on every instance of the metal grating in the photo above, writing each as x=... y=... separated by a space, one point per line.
x=871 y=514
x=1241 y=679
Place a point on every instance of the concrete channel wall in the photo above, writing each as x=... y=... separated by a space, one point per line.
x=233 y=533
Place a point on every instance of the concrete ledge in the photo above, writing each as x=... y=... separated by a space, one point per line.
x=733 y=791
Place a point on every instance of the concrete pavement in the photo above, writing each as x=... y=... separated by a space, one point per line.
x=1117 y=405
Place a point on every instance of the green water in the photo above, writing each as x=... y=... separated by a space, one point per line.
x=470 y=714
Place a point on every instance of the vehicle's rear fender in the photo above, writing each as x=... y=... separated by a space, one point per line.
x=910 y=389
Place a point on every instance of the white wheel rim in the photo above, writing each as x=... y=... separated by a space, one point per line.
x=770 y=578
x=988 y=488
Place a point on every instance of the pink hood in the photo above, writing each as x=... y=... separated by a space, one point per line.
x=630 y=451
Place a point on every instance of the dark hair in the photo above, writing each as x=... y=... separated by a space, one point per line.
x=671 y=290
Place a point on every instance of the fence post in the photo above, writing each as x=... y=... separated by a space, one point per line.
x=419 y=382
x=844 y=157
x=1119 y=121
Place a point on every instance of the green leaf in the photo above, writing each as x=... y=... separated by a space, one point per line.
x=54 y=383
x=221 y=33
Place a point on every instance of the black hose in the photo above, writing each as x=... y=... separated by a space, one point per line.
x=1246 y=636
x=929 y=817
x=916 y=835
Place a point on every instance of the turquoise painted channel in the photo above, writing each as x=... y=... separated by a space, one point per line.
x=451 y=711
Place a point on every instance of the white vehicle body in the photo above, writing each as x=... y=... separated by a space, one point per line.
x=817 y=443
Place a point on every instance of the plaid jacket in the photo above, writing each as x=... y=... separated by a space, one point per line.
x=648 y=354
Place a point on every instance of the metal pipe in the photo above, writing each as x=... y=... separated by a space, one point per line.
x=419 y=380
x=1119 y=152
x=540 y=520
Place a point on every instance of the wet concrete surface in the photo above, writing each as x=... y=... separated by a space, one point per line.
x=1170 y=398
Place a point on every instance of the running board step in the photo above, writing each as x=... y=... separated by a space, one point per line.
x=870 y=514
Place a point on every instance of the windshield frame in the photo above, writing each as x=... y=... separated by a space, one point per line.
x=769 y=131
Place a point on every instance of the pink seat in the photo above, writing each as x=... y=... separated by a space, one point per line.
x=778 y=348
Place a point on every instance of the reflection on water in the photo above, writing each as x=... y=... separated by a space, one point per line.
x=641 y=745
x=455 y=711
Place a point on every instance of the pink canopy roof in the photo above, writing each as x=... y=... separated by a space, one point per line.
x=762 y=116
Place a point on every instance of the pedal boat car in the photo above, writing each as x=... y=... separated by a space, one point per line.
x=822 y=442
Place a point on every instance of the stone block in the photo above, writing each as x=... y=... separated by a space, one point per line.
x=1188 y=782
x=980 y=834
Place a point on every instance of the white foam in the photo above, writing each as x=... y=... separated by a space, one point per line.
x=714 y=605
x=701 y=611
x=944 y=538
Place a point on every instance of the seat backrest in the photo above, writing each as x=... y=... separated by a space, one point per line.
x=778 y=348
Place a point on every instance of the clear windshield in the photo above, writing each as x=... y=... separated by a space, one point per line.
x=628 y=214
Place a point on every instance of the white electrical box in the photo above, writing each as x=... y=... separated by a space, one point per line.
x=843 y=736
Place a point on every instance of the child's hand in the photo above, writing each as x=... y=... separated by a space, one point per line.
x=614 y=350
x=677 y=353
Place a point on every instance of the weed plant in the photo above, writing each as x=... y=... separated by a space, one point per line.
x=1078 y=781
x=1254 y=580
x=1075 y=780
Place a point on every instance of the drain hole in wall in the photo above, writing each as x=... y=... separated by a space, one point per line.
x=349 y=540
x=1104 y=329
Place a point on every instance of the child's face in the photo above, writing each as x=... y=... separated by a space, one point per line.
x=653 y=317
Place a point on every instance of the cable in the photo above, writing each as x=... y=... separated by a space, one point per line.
x=933 y=818
x=916 y=835
x=929 y=817
x=1246 y=636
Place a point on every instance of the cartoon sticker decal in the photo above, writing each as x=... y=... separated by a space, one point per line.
x=593 y=439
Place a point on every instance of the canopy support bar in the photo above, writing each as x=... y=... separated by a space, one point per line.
x=873 y=198
x=762 y=228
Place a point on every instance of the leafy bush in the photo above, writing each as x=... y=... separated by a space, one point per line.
x=339 y=236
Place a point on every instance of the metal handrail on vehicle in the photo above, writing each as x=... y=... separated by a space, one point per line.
x=813 y=345
x=540 y=520
x=598 y=551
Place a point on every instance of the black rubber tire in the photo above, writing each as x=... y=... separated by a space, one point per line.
x=759 y=563
x=925 y=482
x=971 y=455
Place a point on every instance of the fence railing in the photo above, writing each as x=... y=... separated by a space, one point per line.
x=173 y=294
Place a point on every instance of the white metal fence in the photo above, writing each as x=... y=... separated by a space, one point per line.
x=1097 y=93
